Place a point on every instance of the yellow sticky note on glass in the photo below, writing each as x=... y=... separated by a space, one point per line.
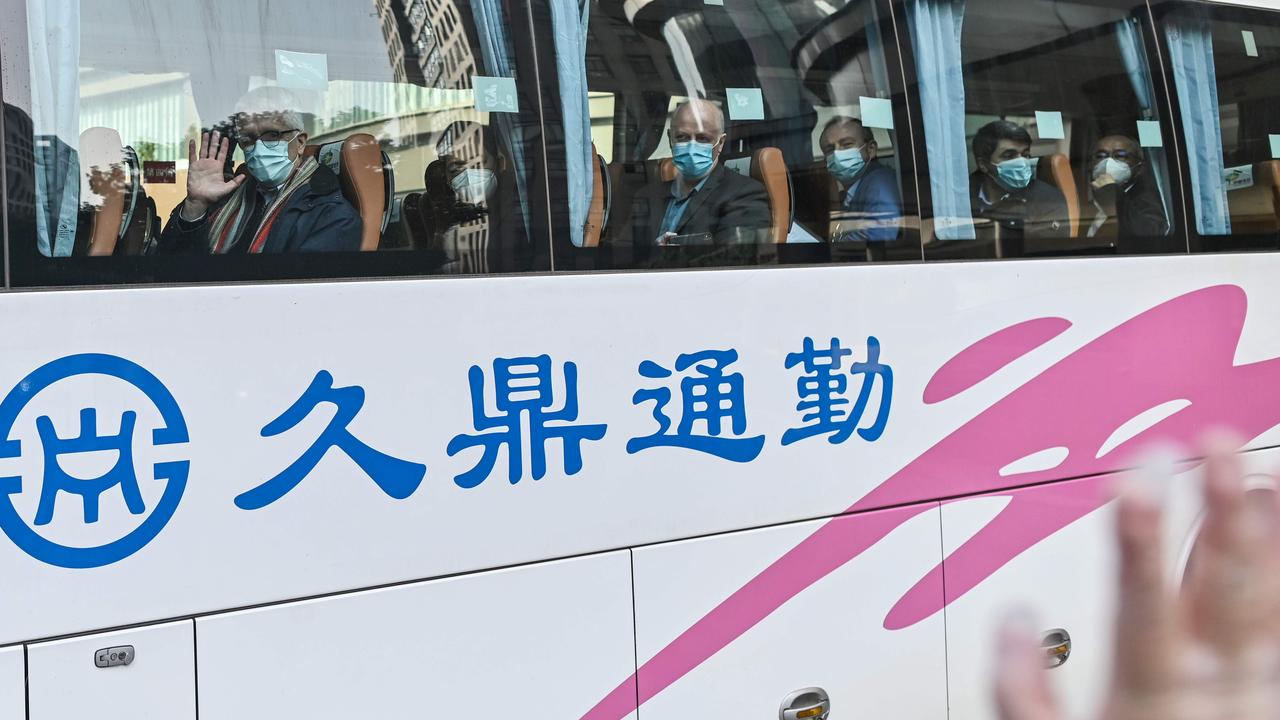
x=1149 y=134
x=1049 y=125
x=876 y=112
x=1250 y=43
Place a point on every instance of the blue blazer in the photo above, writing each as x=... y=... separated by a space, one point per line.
x=875 y=199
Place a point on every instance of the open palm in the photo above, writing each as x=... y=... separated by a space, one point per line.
x=206 y=183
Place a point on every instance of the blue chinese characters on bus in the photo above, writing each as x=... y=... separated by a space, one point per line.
x=523 y=388
x=397 y=478
x=823 y=388
x=709 y=397
x=59 y=489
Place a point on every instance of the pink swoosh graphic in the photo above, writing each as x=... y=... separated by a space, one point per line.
x=1183 y=349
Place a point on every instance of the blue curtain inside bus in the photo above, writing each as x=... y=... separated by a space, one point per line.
x=569 y=20
x=1191 y=54
x=935 y=35
x=53 y=35
x=1129 y=38
x=491 y=30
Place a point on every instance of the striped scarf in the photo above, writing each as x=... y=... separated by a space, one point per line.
x=226 y=224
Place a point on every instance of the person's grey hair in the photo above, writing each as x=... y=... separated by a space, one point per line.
x=272 y=99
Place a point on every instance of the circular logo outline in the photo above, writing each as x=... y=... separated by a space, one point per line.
x=176 y=473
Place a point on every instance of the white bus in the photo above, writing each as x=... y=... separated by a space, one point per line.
x=558 y=434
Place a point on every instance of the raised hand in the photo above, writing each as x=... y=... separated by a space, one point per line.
x=206 y=185
x=1209 y=651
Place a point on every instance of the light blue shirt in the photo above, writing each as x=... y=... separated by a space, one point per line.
x=676 y=205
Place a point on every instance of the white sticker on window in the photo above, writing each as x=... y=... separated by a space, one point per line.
x=1238 y=178
x=1149 y=134
x=1049 y=125
x=1275 y=146
x=1250 y=44
x=876 y=112
x=713 y=2
x=302 y=71
x=495 y=94
x=745 y=103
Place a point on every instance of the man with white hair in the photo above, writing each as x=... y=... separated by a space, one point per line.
x=285 y=203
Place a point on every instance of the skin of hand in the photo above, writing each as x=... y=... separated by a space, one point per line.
x=1210 y=651
x=205 y=182
x=1103 y=180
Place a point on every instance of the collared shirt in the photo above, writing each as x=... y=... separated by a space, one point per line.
x=677 y=204
x=853 y=189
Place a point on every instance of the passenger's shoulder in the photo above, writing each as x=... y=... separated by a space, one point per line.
x=739 y=183
x=1046 y=192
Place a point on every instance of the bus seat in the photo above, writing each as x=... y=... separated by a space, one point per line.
x=1056 y=170
x=667 y=170
x=367 y=182
x=1266 y=175
x=104 y=191
x=598 y=213
x=413 y=219
x=770 y=169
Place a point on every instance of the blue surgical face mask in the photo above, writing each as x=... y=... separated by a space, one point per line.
x=1016 y=173
x=846 y=164
x=693 y=159
x=269 y=161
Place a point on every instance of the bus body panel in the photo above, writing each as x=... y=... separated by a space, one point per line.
x=66 y=681
x=337 y=529
x=832 y=636
x=13 y=682
x=534 y=642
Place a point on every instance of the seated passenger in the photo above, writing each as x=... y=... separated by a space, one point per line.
x=871 y=205
x=1122 y=188
x=1005 y=190
x=285 y=203
x=705 y=203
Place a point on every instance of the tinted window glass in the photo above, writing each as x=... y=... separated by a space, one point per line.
x=1060 y=148
x=1224 y=63
x=189 y=140
x=748 y=132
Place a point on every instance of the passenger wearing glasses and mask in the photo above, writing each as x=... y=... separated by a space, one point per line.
x=285 y=202
x=870 y=205
x=1028 y=214
x=1123 y=192
x=705 y=203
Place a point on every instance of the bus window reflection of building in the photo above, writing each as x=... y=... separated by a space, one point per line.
x=1005 y=190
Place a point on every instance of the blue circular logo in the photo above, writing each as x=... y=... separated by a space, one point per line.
x=122 y=476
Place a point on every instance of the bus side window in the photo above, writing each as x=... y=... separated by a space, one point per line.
x=1057 y=149
x=718 y=149
x=1222 y=62
x=199 y=161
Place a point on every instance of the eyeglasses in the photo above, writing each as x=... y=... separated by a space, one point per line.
x=271 y=138
x=1121 y=155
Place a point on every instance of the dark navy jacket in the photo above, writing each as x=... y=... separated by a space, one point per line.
x=316 y=219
